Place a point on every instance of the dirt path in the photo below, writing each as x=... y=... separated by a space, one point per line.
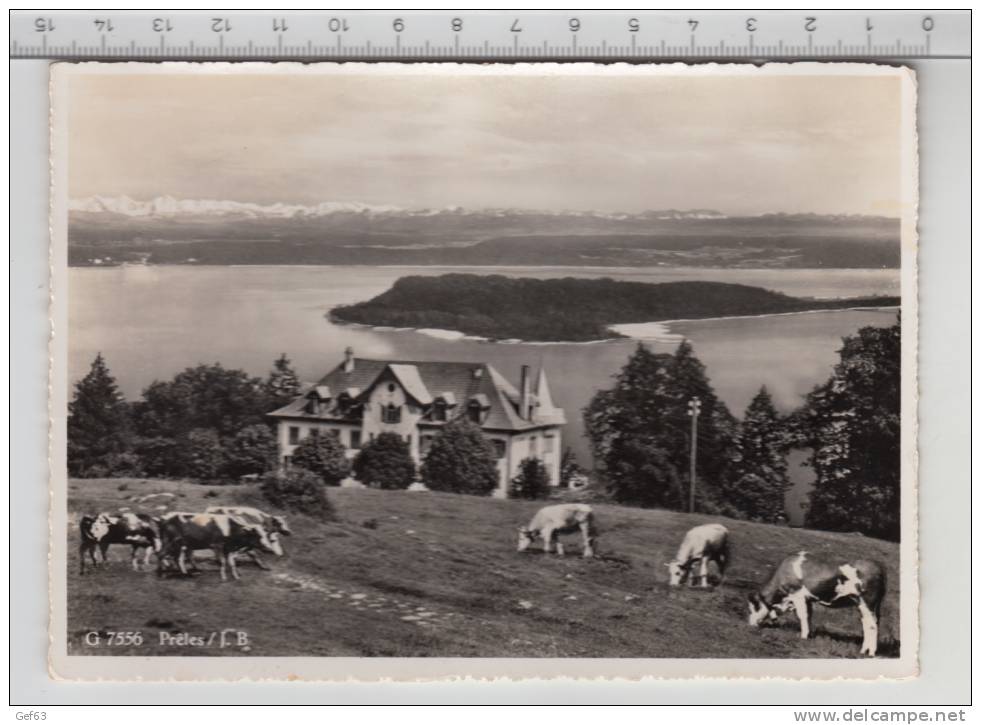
x=404 y=610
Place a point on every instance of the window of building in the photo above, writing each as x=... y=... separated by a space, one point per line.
x=439 y=410
x=391 y=387
x=315 y=432
x=474 y=413
x=287 y=460
x=391 y=413
x=424 y=443
x=549 y=444
x=355 y=439
x=294 y=435
x=533 y=446
x=500 y=448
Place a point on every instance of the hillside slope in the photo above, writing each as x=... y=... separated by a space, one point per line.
x=426 y=574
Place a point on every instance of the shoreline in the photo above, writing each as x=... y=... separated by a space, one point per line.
x=655 y=330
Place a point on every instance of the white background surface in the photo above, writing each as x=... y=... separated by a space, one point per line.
x=944 y=477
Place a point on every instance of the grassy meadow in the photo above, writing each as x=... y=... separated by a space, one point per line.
x=420 y=574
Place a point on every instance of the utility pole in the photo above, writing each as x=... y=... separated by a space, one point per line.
x=694 y=410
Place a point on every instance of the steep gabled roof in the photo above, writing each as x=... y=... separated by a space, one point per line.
x=426 y=379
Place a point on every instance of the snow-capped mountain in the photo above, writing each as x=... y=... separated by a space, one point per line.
x=163 y=206
x=168 y=206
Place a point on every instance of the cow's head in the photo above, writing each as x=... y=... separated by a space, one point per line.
x=760 y=611
x=279 y=525
x=97 y=528
x=525 y=538
x=261 y=539
x=677 y=573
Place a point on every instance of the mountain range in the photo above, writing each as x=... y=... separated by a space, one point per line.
x=165 y=230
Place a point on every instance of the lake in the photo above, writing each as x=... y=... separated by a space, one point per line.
x=150 y=322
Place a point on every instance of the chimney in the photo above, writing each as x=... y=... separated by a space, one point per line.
x=524 y=406
x=349 y=359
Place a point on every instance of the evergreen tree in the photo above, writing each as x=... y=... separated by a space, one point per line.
x=283 y=385
x=852 y=423
x=98 y=421
x=531 y=482
x=252 y=450
x=385 y=462
x=760 y=480
x=640 y=430
x=324 y=456
x=461 y=460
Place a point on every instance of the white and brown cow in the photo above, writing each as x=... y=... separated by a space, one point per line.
x=701 y=545
x=140 y=531
x=802 y=579
x=564 y=518
x=185 y=533
x=276 y=526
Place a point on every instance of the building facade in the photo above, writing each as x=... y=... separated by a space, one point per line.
x=361 y=398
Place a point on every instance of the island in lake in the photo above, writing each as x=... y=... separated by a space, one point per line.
x=568 y=309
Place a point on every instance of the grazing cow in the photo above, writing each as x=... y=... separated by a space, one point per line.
x=226 y=536
x=138 y=530
x=702 y=544
x=802 y=579
x=565 y=518
x=275 y=525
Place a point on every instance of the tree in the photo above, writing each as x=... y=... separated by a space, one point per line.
x=252 y=450
x=385 y=462
x=461 y=460
x=324 y=456
x=645 y=414
x=531 y=481
x=297 y=490
x=202 y=454
x=852 y=423
x=760 y=482
x=568 y=467
x=206 y=396
x=282 y=385
x=98 y=420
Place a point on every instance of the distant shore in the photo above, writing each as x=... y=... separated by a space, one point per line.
x=657 y=331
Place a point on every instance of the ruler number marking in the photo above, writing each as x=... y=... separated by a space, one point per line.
x=574 y=25
x=398 y=25
x=337 y=25
x=751 y=24
x=515 y=27
x=810 y=24
x=633 y=25
x=927 y=23
x=43 y=25
x=456 y=24
x=161 y=25
x=220 y=25
x=693 y=24
x=103 y=25
x=279 y=25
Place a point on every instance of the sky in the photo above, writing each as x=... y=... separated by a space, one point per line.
x=740 y=145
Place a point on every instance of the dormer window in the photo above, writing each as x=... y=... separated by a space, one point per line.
x=477 y=408
x=439 y=410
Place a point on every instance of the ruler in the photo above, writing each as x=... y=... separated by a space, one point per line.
x=489 y=35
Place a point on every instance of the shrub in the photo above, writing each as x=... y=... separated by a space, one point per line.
x=531 y=481
x=203 y=454
x=324 y=456
x=461 y=460
x=297 y=490
x=252 y=450
x=385 y=462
